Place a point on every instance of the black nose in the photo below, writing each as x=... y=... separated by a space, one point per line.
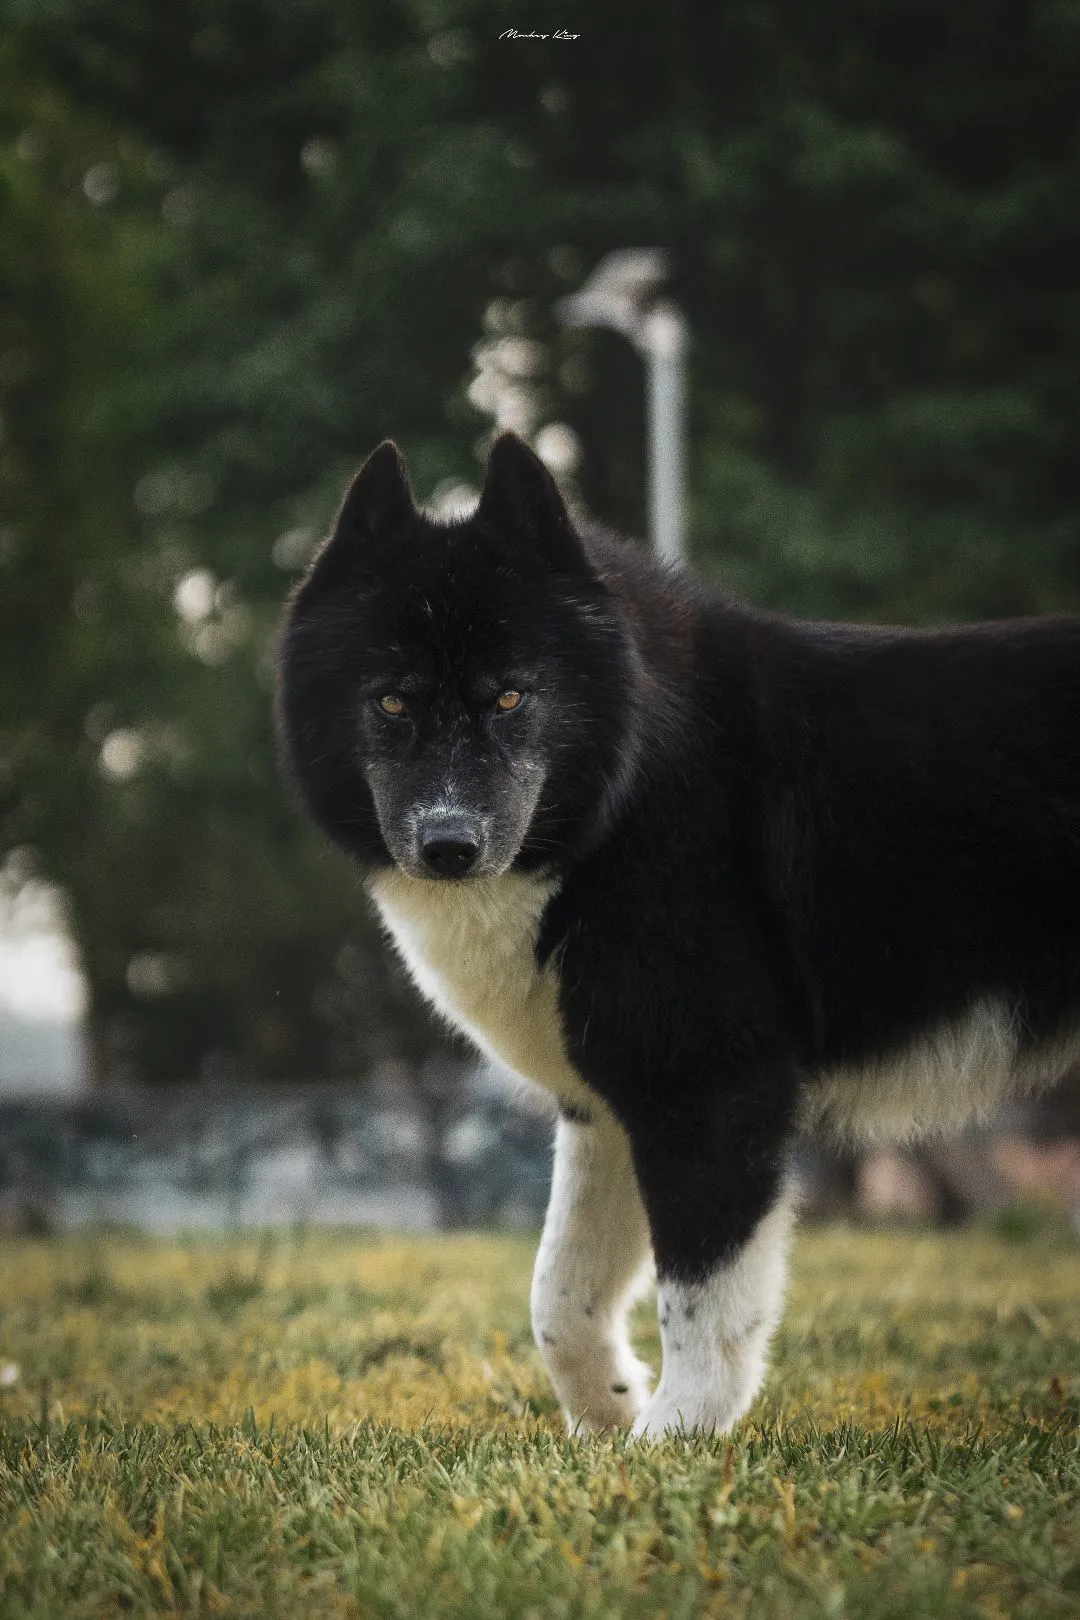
x=449 y=849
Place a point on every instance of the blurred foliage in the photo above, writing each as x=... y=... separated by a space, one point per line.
x=241 y=241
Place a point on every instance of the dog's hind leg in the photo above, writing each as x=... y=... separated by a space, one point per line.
x=592 y=1264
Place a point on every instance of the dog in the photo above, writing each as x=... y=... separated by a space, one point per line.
x=705 y=872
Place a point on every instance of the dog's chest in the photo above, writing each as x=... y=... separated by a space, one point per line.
x=470 y=947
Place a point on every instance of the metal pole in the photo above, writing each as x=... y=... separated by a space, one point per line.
x=663 y=342
x=616 y=294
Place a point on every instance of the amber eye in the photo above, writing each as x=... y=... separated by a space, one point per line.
x=389 y=704
x=507 y=701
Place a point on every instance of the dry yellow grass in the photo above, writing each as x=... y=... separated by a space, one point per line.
x=326 y=1424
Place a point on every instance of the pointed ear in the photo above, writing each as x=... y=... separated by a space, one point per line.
x=379 y=499
x=521 y=501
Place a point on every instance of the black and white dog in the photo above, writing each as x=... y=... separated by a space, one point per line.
x=703 y=872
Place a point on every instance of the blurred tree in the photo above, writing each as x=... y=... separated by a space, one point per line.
x=242 y=240
x=136 y=765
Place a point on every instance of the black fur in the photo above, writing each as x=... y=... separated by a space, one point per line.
x=785 y=847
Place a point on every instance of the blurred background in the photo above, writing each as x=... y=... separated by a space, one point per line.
x=243 y=240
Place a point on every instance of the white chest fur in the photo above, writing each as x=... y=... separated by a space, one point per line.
x=470 y=947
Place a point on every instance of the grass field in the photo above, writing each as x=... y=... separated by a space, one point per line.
x=333 y=1425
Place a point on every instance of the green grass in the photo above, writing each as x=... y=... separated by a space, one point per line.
x=327 y=1425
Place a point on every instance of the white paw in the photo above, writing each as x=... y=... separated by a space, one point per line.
x=688 y=1413
x=609 y=1401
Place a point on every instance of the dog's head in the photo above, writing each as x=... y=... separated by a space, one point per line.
x=453 y=696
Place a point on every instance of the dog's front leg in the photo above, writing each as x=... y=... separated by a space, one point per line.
x=715 y=1331
x=720 y=1208
x=592 y=1263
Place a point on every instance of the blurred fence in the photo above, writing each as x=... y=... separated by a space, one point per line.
x=456 y=1147
x=174 y=1158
